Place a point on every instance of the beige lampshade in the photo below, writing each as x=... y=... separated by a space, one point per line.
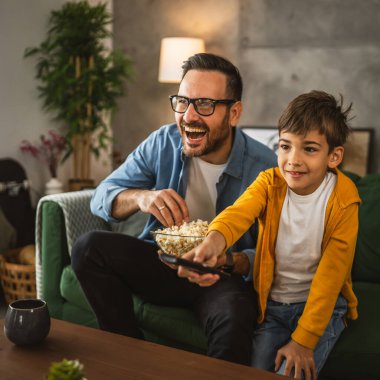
x=174 y=51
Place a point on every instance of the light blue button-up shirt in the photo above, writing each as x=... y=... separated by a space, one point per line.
x=159 y=163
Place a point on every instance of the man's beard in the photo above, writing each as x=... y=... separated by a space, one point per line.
x=213 y=143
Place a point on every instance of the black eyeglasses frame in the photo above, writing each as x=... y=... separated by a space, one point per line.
x=194 y=100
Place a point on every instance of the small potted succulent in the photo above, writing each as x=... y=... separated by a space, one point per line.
x=66 y=370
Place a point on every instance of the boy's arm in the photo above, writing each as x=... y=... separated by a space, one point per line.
x=227 y=227
x=338 y=249
x=236 y=219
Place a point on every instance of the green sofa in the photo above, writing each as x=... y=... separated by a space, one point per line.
x=355 y=357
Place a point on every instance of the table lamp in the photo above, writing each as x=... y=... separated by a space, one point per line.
x=174 y=51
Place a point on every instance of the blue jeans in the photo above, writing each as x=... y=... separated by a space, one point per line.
x=280 y=322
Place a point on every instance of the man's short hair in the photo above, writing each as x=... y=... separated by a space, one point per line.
x=212 y=62
x=317 y=110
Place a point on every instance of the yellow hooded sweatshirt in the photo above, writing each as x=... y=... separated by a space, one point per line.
x=263 y=200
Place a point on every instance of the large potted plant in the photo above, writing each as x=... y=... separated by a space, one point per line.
x=80 y=80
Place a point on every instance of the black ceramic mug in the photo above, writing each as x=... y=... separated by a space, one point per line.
x=27 y=322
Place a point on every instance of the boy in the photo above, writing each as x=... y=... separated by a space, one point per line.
x=308 y=217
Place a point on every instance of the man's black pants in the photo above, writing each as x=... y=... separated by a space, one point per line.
x=111 y=266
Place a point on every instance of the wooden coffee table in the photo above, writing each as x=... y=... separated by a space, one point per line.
x=111 y=356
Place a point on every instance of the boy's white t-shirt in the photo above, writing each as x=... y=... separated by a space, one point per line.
x=201 y=191
x=299 y=242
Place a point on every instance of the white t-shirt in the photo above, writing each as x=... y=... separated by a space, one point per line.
x=299 y=241
x=201 y=191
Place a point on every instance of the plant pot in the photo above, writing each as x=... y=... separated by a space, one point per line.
x=53 y=186
x=76 y=184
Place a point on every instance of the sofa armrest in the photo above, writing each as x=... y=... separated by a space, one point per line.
x=61 y=219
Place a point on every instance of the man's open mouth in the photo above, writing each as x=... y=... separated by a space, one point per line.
x=194 y=133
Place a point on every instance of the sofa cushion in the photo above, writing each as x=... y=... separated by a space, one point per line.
x=71 y=290
x=355 y=178
x=176 y=324
x=358 y=349
x=53 y=243
x=75 y=314
x=132 y=226
x=367 y=257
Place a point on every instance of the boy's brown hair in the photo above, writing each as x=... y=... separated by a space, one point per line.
x=317 y=110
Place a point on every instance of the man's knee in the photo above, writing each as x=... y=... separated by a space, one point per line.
x=238 y=301
x=81 y=248
x=238 y=310
x=231 y=308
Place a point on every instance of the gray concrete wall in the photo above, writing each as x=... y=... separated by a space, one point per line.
x=283 y=48
x=294 y=46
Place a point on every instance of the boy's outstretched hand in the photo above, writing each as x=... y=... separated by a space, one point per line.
x=298 y=357
x=209 y=252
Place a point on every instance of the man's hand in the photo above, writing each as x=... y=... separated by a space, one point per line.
x=210 y=253
x=166 y=205
x=297 y=357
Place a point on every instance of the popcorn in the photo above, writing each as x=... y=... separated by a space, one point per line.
x=179 y=240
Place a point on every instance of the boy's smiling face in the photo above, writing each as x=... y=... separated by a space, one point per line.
x=304 y=160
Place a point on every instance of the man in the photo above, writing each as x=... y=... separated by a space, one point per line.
x=181 y=172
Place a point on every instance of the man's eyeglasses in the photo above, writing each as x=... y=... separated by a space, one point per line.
x=204 y=106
